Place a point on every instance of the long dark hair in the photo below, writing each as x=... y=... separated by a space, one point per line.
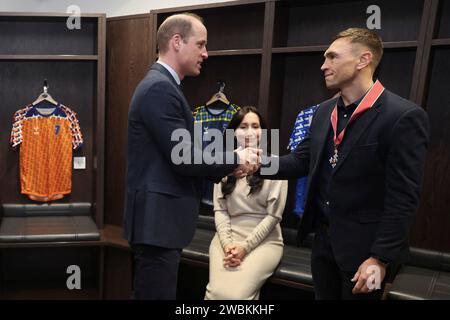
x=255 y=182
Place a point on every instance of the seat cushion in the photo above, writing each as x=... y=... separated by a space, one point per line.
x=47 y=210
x=295 y=265
x=429 y=259
x=30 y=229
x=198 y=249
x=415 y=283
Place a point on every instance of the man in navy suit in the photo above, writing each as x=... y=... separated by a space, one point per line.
x=365 y=158
x=162 y=200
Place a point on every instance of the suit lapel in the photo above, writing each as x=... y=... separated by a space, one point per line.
x=357 y=129
x=324 y=131
x=158 y=67
x=322 y=134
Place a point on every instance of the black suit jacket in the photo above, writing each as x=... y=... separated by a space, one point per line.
x=162 y=199
x=375 y=187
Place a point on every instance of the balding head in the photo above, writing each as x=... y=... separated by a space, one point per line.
x=176 y=24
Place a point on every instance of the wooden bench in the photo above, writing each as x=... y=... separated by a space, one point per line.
x=294 y=269
x=425 y=276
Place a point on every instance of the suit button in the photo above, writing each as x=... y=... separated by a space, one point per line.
x=327 y=203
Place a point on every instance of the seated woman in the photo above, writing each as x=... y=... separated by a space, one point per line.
x=248 y=244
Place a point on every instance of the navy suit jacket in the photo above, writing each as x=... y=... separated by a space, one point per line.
x=162 y=199
x=375 y=187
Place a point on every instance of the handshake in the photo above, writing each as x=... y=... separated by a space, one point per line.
x=249 y=161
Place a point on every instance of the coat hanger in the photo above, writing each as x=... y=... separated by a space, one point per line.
x=45 y=96
x=219 y=96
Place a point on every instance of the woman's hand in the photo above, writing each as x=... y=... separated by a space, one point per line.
x=239 y=252
x=229 y=260
x=234 y=254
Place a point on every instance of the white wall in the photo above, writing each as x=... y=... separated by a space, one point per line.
x=112 y=8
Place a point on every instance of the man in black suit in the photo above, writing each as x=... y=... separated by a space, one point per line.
x=365 y=157
x=163 y=193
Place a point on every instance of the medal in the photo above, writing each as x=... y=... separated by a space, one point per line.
x=366 y=103
x=334 y=159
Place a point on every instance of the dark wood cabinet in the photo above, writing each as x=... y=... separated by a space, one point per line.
x=129 y=57
x=431 y=226
x=42 y=272
x=34 y=47
x=230 y=27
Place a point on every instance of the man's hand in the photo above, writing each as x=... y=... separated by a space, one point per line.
x=249 y=155
x=363 y=275
x=245 y=170
x=249 y=161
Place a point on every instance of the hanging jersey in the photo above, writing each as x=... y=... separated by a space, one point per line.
x=218 y=121
x=46 y=141
x=301 y=129
x=205 y=121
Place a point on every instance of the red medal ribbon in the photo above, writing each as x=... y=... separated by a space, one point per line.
x=366 y=103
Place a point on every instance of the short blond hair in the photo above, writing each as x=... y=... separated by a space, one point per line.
x=175 y=24
x=367 y=38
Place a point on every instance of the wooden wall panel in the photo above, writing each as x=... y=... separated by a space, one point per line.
x=128 y=60
x=432 y=223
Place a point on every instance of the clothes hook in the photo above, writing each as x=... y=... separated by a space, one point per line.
x=221 y=85
x=45 y=86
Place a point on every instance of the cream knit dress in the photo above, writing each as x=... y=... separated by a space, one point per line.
x=253 y=222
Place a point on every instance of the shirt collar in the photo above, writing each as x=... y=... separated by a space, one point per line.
x=351 y=106
x=172 y=72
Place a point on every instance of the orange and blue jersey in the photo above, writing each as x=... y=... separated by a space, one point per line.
x=46 y=140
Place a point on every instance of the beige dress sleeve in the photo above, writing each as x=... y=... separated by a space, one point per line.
x=275 y=207
x=221 y=216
